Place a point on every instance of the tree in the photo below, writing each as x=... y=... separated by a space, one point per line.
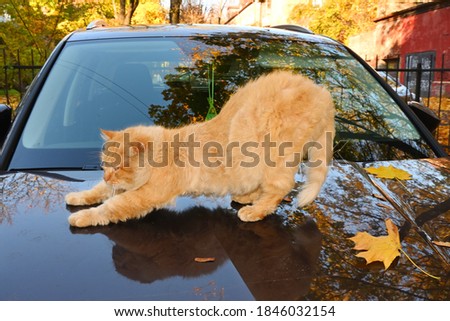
x=126 y=11
x=40 y=24
x=338 y=19
x=149 y=12
x=192 y=12
x=188 y=11
x=33 y=28
x=216 y=11
x=175 y=9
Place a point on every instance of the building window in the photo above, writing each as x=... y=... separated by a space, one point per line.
x=427 y=61
x=393 y=64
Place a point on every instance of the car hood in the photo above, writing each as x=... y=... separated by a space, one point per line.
x=294 y=254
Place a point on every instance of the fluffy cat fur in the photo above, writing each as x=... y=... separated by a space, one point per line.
x=264 y=126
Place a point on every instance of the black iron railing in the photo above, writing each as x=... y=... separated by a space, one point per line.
x=430 y=87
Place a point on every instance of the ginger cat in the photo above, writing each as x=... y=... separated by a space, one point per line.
x=251 y=150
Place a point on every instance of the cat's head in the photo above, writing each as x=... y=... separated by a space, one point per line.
x=123 y=159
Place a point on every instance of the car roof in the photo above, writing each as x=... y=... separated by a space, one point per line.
x=185 y=30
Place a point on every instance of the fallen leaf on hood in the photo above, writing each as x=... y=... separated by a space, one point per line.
x=389 y=172
x=383 y=248
x=439 y=243
x=379 y=248
x=204 y=259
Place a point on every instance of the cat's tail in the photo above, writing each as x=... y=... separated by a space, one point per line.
x=320 y=154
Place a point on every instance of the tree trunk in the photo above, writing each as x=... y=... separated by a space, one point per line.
x=174 y=14
x=125 y=14
x=133 y=6
x=122 y=9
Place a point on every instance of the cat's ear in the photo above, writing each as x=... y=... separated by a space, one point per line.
x=107 y=134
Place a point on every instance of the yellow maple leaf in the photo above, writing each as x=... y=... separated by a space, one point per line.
x=389 y=172
x=381 y=248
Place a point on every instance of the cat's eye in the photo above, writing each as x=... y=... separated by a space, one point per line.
x=104 y=165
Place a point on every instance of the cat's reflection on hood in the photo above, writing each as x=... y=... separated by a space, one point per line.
x=276 y=260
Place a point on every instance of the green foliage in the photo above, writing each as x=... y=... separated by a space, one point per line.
x=338 y=19
x=33 y=28
x=41 y=24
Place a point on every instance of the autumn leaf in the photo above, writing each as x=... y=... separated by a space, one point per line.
x=382 y=248
x=389 y=172
x=204 y=259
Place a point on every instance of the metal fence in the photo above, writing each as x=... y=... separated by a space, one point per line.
x=430 y=87
x=17 y=76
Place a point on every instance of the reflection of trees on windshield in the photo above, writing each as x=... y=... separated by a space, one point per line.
x=233 y=62
x=370 y=126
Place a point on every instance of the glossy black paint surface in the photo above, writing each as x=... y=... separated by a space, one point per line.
x=293 y=254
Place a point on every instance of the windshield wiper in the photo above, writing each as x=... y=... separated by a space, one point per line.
x=91 y=167
x=377 y=138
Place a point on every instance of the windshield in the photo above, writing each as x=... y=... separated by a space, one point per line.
x=113 y=84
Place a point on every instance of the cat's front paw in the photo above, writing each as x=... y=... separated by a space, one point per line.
x=251 y=214
x=88 y=217
x=76 y=199
x=82 y=198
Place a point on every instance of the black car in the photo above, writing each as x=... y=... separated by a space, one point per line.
x=111 y=78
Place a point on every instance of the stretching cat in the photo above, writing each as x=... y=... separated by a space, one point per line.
x=251 y=150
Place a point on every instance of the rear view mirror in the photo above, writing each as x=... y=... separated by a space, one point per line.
x=5 y=121
x=425 y=114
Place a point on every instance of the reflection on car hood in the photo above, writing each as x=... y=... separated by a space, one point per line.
x=295 y=254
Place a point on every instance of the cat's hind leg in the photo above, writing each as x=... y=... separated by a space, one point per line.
x=262 y=207
x=270 y=196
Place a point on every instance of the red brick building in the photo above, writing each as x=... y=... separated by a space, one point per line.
x=416 y=35
x=406 y=34
x=405 y=38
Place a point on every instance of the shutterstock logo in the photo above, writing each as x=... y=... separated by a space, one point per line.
x=213 y=154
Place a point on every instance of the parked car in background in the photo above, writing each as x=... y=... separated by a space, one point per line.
x=426 y=115
x=111 y=78
x=400 y=89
